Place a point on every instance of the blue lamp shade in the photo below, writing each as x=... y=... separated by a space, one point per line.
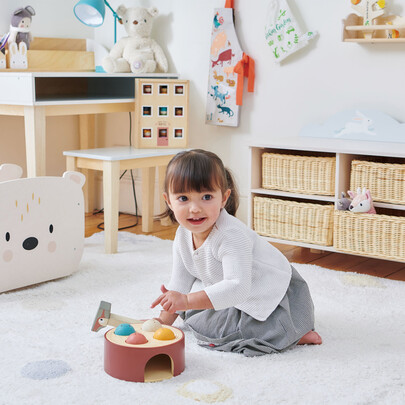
x=90 y=12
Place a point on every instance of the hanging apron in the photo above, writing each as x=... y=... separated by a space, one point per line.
x=228 y=67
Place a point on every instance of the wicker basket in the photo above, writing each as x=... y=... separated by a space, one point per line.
x=302 y=222
x=301 y=174
x=386 y=181
x=381 y=236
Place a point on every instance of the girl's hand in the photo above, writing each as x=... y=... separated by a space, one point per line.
x=171 y=301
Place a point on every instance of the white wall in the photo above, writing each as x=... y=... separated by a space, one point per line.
x=325 y=77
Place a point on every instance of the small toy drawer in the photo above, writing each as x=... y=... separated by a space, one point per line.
x=301 y=174
x=386 y=181
x=301 y=222
x=381 y=236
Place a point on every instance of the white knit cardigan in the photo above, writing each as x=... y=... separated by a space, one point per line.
x=237 y=268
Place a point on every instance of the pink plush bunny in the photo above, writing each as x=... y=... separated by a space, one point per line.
x=361 y=201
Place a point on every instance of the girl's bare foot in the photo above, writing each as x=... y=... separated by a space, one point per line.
x=311 y=338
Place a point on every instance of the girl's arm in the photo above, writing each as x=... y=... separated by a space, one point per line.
x=235 y=252
x=172 y=301
x=166 y=319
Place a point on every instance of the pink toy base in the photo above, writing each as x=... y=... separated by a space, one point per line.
x=144 y=364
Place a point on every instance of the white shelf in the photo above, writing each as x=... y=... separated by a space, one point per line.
x=68 y=88
x=277 y=193
x=331 y=145
x=344 y=150
x=76 y=101
x=300 y=244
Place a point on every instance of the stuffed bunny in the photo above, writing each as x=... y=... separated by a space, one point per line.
x=20 y=28
x=362 y=201
x=18 y=55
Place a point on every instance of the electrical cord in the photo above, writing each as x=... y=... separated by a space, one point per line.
x=100 y=225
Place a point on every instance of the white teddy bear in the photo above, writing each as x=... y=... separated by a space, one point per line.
x=137 y=53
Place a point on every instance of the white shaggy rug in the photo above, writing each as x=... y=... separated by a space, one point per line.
x=50 y=356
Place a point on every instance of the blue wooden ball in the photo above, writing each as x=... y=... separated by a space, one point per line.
x=125 y=329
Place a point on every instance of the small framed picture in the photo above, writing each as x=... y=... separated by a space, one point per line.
x=163 y=89
x=179 y=89
x=147 y=111
x=178 y=133
x=163 y=111
x=179 y=111
x=147 y=89
x=146 y=132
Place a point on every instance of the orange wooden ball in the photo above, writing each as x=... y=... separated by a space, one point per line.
x=164 y=334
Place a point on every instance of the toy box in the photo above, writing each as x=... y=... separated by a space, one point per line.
x=41 y=227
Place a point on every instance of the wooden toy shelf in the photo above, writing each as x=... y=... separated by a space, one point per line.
x=345 y=151
x=57 y=54
x=355 y=31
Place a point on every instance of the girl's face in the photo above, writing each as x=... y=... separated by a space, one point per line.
x=197 y=211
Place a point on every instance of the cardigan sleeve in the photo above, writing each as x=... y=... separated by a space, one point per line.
x=235 y=252
x=181 y=280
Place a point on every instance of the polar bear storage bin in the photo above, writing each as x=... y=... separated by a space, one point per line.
x=41 y=227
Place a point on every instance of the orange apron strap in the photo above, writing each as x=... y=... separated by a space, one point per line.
x=229 y=4
x=244 y=68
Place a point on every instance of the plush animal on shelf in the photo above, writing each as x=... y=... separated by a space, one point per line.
x=138 y=52
x=362 y=201
x=20 y=28
x=343 y=203
x=18 y=56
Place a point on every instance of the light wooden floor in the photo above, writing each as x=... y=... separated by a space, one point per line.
x=336 y=261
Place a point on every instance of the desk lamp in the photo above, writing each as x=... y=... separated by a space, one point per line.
x=92 y=12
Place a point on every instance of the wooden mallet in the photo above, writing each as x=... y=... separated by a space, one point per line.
x=104 y=317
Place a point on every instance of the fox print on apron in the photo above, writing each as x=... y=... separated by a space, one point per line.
x=227 y=67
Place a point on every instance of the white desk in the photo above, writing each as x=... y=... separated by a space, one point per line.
x=113 y=160
x=37 y=95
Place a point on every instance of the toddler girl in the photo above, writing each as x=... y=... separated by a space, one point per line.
x=233 y=289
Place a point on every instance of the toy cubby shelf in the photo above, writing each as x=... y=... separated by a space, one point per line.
x=380 y=32
x=161 y=113
x=345 y=151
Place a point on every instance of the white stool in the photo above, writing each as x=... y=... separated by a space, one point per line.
x=113 y=160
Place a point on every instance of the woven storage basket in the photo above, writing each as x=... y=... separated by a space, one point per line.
x=302 y=222
x=301 y=174
x=386 y=181
x=381 y=236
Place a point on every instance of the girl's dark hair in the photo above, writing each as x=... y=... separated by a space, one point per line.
x=199 y=170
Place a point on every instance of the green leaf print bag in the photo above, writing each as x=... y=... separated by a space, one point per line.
x=282 y=32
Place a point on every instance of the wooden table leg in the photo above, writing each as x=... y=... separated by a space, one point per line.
x=87 y=124
x=111 y=174
x=35 y=140
x=161 y=180
x=148 y=185
x=71 y=164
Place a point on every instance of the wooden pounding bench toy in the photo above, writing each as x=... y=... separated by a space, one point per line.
x=139 y=351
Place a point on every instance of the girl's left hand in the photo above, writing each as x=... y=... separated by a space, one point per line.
x=171 y=301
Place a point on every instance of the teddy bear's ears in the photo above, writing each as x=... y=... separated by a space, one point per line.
x=153 y=11
x=121 y=10
x=10 y=171
x=27 y=9
x=30 y=10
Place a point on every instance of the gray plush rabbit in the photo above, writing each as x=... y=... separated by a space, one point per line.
x=343 y=203
x=20 y=27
